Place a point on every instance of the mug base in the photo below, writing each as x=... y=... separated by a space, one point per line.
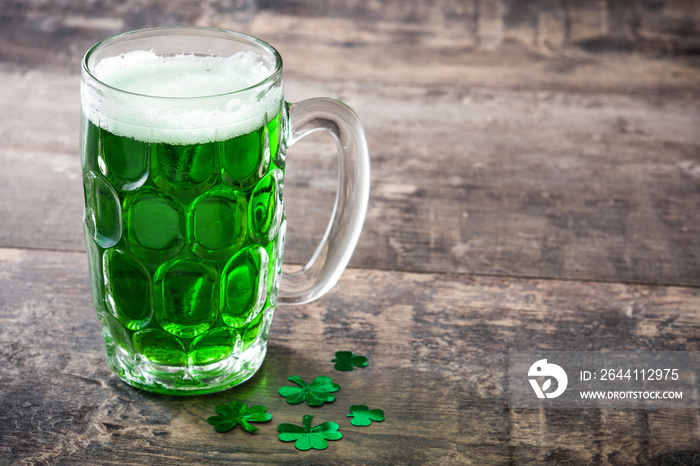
x=138 y=372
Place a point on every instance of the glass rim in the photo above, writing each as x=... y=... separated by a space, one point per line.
x=243 y=37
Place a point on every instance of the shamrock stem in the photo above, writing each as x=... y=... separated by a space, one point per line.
x=307 y=422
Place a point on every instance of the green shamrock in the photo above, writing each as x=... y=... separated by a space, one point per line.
x=344 y=361
x=315 y=394
x=307 y=437
x=363 y=416
x=236 y=413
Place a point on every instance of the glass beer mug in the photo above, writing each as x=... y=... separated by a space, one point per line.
x=183 y=139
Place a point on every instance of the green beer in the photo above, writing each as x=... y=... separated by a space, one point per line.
x=183 y=218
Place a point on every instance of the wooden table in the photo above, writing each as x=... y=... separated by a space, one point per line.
x=535 y=186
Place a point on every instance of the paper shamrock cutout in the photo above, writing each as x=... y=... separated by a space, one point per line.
x=344 y=361
x=363 y=416
x=236 y=413
x=307 y=437
x=315 y=394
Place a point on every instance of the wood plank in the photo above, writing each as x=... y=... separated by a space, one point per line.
x=583 y=186
x=558 y=45
x=378 y=57
x=437 y=346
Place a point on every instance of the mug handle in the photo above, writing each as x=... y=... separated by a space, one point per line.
x=333 y=253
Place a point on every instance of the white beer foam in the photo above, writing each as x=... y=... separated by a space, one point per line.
x=181 y=99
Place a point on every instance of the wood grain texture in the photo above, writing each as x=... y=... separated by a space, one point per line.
x=535 y=186
x=613 y=46
x=437 y=346
x=35 y=28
